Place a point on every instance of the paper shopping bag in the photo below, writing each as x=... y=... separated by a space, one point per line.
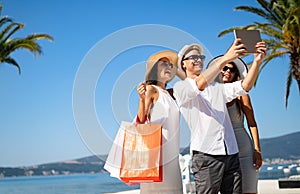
x=142 y=154
x=114 y=158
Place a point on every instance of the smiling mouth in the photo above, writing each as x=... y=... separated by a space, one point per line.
x=169 y=72
x=198 y=64
x=226 y=75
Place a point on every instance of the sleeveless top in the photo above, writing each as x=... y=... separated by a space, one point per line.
x=236 y=116
x=166 y=112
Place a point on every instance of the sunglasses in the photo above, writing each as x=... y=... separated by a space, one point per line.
x=231 y=69
x=195 y=57
x=166 y=64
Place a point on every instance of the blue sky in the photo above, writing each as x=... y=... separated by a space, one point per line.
x=38 y=123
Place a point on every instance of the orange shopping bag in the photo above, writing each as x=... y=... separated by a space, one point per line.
x=142 y=154
x=114 y=158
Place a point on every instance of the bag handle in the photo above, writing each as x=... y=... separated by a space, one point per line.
x=147 y=120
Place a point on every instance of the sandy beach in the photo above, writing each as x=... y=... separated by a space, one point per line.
x=264 y=187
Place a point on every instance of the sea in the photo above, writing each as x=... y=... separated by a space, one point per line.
x=103 y=183
x=63 y=184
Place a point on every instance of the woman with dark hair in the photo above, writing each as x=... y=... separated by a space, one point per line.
x=156 y=105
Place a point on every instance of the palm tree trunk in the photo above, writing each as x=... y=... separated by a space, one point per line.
x=295 y=65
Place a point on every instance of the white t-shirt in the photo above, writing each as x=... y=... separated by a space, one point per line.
x=206 y=114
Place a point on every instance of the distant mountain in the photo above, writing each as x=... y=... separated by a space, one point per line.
x=286 y=147
x=86 y=165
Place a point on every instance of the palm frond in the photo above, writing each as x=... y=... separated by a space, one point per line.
x=26 y=44
x=281 y=9
x=9 y=44
x=270 y=57
x=4 y=20
x=269 y=30
x=15 y=44
x=275 y=45
x=292 y=24
x=267 y=59
x=287 y=88
x=11 y=61
x=229 y=30
x=261 y=13
x=270 y=8
x=10 y=29
x=34 y=37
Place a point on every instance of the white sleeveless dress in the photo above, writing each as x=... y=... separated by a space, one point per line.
x=166 y=112
x=245 y=145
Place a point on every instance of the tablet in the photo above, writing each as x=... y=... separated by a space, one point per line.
x=249 y=38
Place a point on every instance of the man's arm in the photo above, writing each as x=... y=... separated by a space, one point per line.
x=250 y=78
x=236 y=50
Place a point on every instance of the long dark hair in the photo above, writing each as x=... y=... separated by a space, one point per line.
x=236 y=78
x=237 y=73
x=152 y=79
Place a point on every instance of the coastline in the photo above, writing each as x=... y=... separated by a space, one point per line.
x=264 y=187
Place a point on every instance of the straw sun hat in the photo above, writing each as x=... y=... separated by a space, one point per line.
x=171 y=55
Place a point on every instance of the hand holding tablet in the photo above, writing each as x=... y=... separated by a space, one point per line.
x=249 y=38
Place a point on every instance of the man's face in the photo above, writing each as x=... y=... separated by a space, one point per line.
x=193 y=63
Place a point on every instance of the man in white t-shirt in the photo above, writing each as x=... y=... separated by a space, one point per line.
x=202 y=102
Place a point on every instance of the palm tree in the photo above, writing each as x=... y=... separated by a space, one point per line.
x=283 y=29
x=8 y=45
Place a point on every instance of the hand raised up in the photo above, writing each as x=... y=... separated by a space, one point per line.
x=236 y=50
x=261 y=52
x=141 y=89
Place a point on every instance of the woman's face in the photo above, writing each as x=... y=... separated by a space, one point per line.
x=228 y=73
x=165 y=70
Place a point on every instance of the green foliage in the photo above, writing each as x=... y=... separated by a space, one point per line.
x=10 y=172
x=282 y=29
x=9 y=44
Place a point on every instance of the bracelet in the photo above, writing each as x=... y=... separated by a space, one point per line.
x=257 y=151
